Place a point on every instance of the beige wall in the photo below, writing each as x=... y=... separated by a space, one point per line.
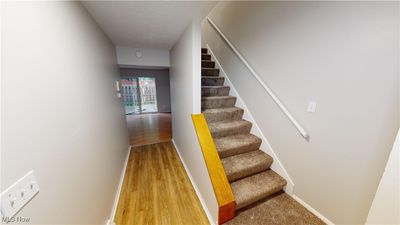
x=59 y=111
x=127 y=58
x=385 y=208
x=344 y=55
x=185 y=101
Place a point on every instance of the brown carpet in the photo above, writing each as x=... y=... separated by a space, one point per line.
x=247 y=168
x=253 y=183
x=278 y=209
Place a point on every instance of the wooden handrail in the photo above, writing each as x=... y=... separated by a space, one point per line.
x=219 y=180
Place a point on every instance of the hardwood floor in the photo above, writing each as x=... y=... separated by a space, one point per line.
x=149 y=128
x=156 y=189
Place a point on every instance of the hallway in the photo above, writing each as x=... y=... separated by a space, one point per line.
x=200 y=112
x=157 y=190
x=150 y=128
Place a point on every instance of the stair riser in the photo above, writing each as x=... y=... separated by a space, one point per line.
x=258 y=198
x=224 y=116
x=205 y=57
x=212 y=81
x=232 y=131
x=218 y=103
x=203 y=51
x=240 y=150
x=210 y=72
x=222 y=91
x=207 y=64
x=244 y=173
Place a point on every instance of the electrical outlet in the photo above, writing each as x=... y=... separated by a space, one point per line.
x=14 y=198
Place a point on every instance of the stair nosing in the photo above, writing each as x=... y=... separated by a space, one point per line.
x=227 y=151
x=281 y=182
x=261 y=166
x=217 y=97
x=207 y=68
x=233 y=108
x=213 y=77
x=221 y=122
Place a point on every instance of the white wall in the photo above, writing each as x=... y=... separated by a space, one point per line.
x=344 y=55
x=59 y=111
x=385 y=208
x=127 y=58
x=185 y=100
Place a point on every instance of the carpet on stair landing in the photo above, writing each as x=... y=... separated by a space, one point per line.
x=278 y=209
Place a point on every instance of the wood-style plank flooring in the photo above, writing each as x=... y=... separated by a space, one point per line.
x=156 y=189
x=149 y=128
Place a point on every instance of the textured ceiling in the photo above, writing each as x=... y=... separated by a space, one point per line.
x=146 y=24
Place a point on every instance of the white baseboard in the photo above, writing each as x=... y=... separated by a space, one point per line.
x=195 y=186
x=277 y=166
x=311 y=209
x=110 y=221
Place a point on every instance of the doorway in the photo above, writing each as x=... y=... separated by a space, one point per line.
x=146 y=97
x=140 y=95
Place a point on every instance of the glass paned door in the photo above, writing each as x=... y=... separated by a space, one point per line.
x=139 y=95
x=130 y=95
x=148 y=96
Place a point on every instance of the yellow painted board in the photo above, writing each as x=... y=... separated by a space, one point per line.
x=219 y=180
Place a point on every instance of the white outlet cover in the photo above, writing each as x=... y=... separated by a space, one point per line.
x=312 y=106
x=117 y=86
x=14 y=198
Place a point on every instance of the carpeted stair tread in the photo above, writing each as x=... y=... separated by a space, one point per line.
x=214 y=102
x=226 y=128
x=256 y=187
x=212 y=81
x=236 y=144
x=246 y=164
x=205 y=57
x=209 y=71
x=223 y=114
x=207 y=64
x=215 y=91
x=278 y=209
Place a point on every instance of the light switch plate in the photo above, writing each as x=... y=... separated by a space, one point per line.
x=312 y=106
x=117 y=86
x=14 y=198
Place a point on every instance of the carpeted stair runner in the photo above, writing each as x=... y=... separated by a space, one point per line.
x=237 y=144
x=243 y=165
x=223 y=114
x=215 y=90
x=215 y=102
x=246 y=166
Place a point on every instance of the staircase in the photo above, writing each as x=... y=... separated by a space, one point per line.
x=257 y=189
x=247 y=167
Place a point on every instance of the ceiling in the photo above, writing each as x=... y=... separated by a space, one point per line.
x=146 y=24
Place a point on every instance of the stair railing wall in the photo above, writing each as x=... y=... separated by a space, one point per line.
x=295 y=123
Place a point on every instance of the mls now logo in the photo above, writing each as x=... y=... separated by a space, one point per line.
x=6 y=219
